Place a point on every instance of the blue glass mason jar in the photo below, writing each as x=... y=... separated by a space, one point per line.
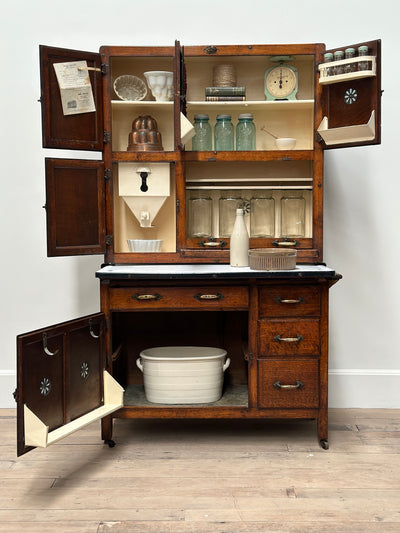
x=224 y=133
x=202 y=139
x=245 y=132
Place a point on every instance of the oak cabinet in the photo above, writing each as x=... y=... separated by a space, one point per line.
x=274 y=324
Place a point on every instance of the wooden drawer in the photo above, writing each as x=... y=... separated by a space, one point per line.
x=289 y=337
x=178 y=298
x=290 y=300
x=288 y=384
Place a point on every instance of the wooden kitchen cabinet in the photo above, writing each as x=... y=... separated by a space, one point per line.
x=273 y=324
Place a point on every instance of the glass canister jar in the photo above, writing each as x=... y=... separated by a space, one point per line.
x=224 y=133
x=228 y=203
x=262 y=215
x=200 y=215
x=245 y=132
x=293 y=214
x=202 y=139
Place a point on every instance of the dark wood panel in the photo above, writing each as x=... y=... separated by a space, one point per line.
x=83 y=131
x=75 y=207
x=274 y=378
x=85 y=365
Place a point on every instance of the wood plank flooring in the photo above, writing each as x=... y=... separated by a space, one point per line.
x=202 y=476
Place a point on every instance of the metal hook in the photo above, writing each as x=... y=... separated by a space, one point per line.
x=46 y=350
x=91 y=330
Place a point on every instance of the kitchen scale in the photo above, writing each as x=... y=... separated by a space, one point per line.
x=281 y=81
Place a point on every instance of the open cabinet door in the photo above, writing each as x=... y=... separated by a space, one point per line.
x=81 y=131
x=75 y=207
x=62 y=384
x=184 y=129
x=352 y=99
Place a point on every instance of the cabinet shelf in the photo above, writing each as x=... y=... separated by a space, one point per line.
x=255 y=104
x=254 y=155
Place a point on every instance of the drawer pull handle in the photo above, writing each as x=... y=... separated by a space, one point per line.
x=298 y=385
x=280 y=300
x=213 y=243
x=286 y=243
x=140 y=297
x=279 y=338
x=200 y=297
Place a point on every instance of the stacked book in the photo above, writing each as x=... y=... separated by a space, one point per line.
x=226 y=94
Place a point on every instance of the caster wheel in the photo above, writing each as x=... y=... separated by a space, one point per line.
x=110 y=443
x=324 y=444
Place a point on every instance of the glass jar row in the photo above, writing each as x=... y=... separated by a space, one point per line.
x=261 y=208
x=341 y=55
x=224 y=133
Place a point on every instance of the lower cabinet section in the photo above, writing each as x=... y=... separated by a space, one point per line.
x=288 y=384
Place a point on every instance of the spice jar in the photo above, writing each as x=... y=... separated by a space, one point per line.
x=339 y=56
x=363 y=51
x=224 y=133
x=245 y=132
x=328 y=58
x=349 y=53
x=202 y=139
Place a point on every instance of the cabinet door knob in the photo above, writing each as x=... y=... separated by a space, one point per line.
x=285 y=243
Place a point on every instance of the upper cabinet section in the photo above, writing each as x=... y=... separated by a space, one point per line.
x=275 y=85
x=351 y=80
x=144 y=99
x=68 y=127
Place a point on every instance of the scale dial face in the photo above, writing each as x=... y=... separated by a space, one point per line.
x=281 y=83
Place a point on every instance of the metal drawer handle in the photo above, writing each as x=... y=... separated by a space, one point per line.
x=213 y=243
x=140 y=297
x=285 y=243
x=280 y=300
x=279 y=338
x=200 y=297
x=298 y=385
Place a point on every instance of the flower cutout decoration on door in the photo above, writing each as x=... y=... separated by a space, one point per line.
x=350 y=96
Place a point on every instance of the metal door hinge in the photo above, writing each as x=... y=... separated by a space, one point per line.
x=107 y=173
x=106 y=137
x=104 y=68
x=178 y=207
x=109 y=240
x=15 y=393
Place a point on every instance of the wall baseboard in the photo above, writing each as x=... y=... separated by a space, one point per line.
x=348 y=388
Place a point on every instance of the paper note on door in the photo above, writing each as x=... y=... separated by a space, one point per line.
x=75 y=87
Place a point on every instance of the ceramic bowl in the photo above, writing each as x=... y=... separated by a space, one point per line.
x=128 y=87
x=145 y=245
x=161 y=84
x=285 y=143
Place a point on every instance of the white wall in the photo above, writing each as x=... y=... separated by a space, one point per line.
x=362 y=195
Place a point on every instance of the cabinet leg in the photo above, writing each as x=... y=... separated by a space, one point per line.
x=107 y=430
x=323 y=430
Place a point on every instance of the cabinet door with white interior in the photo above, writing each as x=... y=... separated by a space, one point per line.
x=62 y=384
x=351 y=79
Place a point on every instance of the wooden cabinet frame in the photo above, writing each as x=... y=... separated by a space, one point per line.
x=84 y=209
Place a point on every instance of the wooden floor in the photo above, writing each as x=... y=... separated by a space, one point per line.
x=208 y=476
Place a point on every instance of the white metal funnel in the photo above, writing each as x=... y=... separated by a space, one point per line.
x=144 y=189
